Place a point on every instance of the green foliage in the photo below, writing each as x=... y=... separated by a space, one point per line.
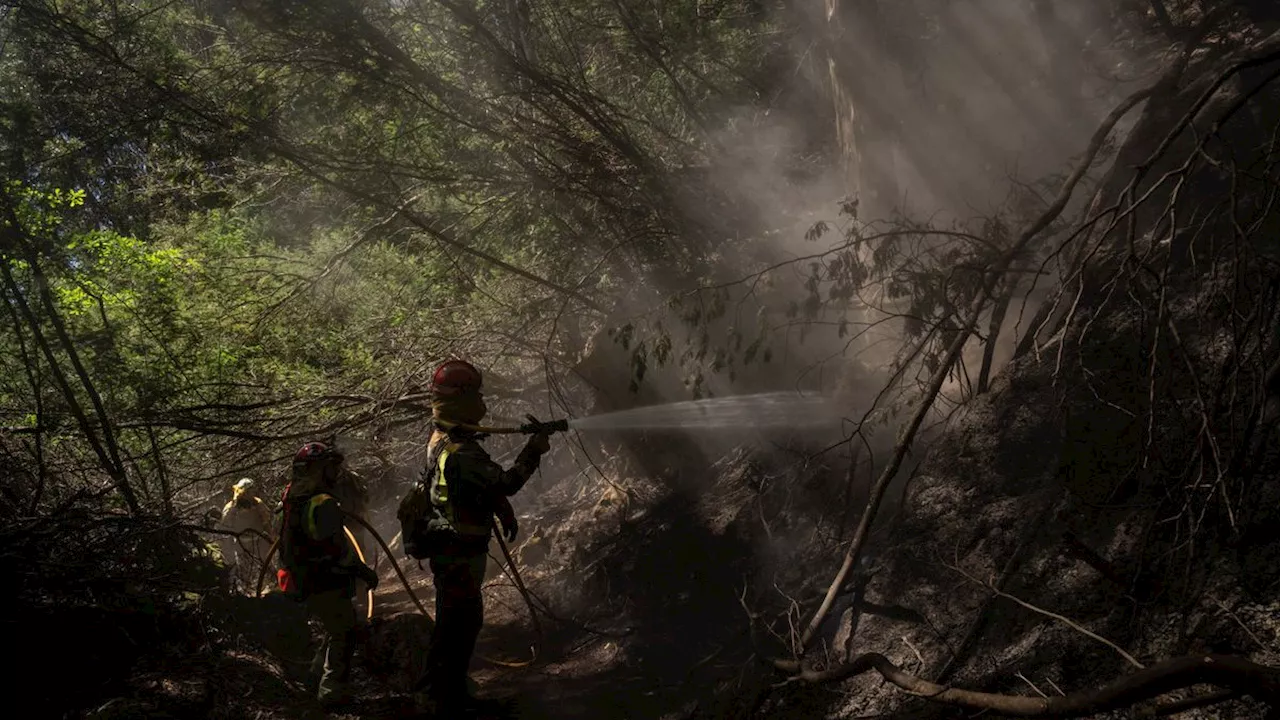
x=37 y=211
x=241 y=249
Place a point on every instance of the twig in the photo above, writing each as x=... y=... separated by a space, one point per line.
x=1060 y=618
x=1239 y=622
x=1180 y=706
x=1054 y=685
x=1024 y=679
x=1238 y=674
x=915 y=650
x=1010 y=569
x=511 y=570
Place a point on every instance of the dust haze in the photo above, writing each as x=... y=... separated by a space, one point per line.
x=969 y=119
x=959 y=121
x=954 y=122
x=949 y=124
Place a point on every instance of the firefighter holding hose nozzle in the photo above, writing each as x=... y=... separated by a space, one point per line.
x=446 y=519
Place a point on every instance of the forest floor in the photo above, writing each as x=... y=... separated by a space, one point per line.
x=584 y=659
x=577 y=674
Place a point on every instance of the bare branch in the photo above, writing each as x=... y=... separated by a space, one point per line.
x=953 y=353
x=1060 y=618
x=1240 y=675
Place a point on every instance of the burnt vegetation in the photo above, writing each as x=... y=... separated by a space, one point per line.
x=1031 y=253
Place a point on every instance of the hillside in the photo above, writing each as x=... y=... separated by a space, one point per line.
x=1026 y=253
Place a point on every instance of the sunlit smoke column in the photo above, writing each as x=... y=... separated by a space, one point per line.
x=857 y=71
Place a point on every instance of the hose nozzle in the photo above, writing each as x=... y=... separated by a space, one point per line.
x=537 y=427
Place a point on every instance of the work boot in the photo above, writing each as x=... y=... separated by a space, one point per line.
x=436 y=704
x=333 y=699
x=464 y=707
x=424 y=703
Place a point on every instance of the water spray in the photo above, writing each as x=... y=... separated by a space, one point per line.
x=763 y=410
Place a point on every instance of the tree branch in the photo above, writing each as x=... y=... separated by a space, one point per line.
x=110 y=461
x=1060 y=618
x=1260 y=681
x=953 y=353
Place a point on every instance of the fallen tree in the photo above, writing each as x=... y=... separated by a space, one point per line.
x=1237 y=674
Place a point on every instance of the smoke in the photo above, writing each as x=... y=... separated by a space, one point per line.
x=958 y=109
x=950 y=121
x=942 y=112
x=938 y=111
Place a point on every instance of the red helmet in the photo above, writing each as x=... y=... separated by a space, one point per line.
x=456 y=377
x=314 y=452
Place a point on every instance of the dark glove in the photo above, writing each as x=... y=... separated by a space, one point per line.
x=539 y=443
x=368 y=575
x=507 y=516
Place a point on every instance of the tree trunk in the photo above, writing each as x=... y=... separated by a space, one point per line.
x=30 y=368
x=993 y=334
x=109 y=458
x=69 y=349
x=166 y=491
x=870 y=175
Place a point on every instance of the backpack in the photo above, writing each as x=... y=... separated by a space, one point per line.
x=424 y=530
x=303 y=566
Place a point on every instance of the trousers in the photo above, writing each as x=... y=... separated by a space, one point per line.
x=336 y=614
x=459 y=617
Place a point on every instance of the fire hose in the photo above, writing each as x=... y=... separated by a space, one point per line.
x=409 y=588
x=359 y=554
x=533 y=427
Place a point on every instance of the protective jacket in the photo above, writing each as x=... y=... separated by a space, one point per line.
x=246 y=512
x=464 y=488
x=314 y=548
x=467 y=487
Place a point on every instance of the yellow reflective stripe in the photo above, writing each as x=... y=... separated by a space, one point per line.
x=309 y=522
x=442 y=487
x=442 y=496
x=309 y=515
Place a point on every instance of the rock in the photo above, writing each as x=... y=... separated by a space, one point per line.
x=396 y=647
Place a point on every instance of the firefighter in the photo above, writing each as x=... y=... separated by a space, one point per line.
x=319 y=566
x=247 y=516
x=467 y=488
